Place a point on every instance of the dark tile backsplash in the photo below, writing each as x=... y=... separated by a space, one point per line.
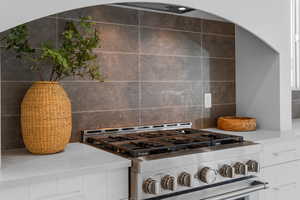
x=167 y=21
x=157 y=68
x=296 y=104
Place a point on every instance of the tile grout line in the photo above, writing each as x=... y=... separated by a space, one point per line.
x=56 y=31
x=202 y=75
x=166 y=55
x=135 y=109
x=139 y=70
x=151 y=27
x=1 y=112
x=135 y=81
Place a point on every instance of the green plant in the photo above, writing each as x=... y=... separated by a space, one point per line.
x=74 y=57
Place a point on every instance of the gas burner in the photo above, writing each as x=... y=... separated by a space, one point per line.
x=118 y=138
x=183 y=140
x=156 y=134
x=144 y=145
x=187 y=131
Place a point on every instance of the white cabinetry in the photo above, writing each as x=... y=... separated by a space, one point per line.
x=281 y=164
x=81 y=172
x=108 y=185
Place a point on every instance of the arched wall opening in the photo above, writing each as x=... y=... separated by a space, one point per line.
x=259 y=57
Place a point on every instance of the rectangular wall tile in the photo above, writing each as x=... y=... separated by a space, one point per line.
x=295 y=104
x=162 y=20
x=217 y=27
x=119 y=67
x=222 y=92
x=170 y=94
x=170 y=68
x=195 y=115
x=2 y=35
x=296 y=95
x=12 y=96
x=113 y=37
x=110 y=66
x=1 y=68
x=211 y=115
x=118 y=38
x=104 y=119
x=104 y=13
x=218 y=46
x=10 y=133
x=102 y=96
x=197 y=93
x=164 y=42
x=218 y=69
x=163 y=115
x=295 y=109
x=15 y=69
x=42 y=31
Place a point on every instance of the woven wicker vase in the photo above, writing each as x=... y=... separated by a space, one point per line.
x=46 y=118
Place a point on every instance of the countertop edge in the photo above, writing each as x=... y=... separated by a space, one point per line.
x=15 y=161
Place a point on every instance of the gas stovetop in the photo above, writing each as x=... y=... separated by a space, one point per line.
x=153 y=142
x=169 y=159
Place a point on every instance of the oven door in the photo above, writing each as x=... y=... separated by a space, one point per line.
x=244 y=189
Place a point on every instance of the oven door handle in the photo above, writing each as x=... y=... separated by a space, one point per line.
x=239 y=193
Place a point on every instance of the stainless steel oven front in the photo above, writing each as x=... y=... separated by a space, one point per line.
x=242 y=189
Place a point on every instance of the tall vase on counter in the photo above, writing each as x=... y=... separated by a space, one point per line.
x=46 y=118
x=46 y=114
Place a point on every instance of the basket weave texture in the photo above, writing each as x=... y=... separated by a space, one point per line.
x=46 y=118
x=229 y=123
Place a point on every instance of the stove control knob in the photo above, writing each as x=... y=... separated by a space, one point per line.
x=169 y=183
x=227 y=171
x=207 y=175
x=185 y=179
x=241 y=168
x=253 y=166
x=151 y=186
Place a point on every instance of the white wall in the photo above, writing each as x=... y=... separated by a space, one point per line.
x=267 y=19
x=257 y=66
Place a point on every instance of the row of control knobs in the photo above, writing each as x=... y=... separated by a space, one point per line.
x=206 y=175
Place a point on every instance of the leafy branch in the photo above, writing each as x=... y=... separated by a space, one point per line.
x=74 y=57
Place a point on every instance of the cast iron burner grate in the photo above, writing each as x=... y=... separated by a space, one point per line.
x=163 y=141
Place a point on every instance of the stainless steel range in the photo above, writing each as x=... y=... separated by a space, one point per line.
x=174 y=161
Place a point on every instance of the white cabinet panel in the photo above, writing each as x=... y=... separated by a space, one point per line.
x=277 y=153
x=284 y=181
x=104 y=185
x=43 y=189
x=282 y=174
x=118 y=187
x=69 y=185
x=282 y=192
x=95 y=186
x=70 y=196
x=14 y=193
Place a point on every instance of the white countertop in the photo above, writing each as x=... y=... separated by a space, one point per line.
x=267 y=136
x=20 y=165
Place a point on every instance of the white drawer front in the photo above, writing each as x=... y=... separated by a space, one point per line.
x=70 y=196
x=288 y=192
x=281 y=175
x=280 y=153
x=43 y=189
x=118 y=184
x=102 y=185
x=57 y=189
x=14 y=193
x=70 y=185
